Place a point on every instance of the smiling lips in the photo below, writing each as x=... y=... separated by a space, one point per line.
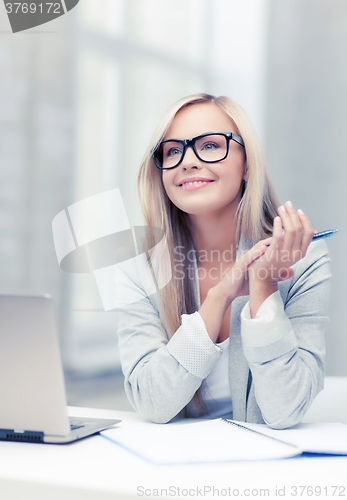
x=193 y=184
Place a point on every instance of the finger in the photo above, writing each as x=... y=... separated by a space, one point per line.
x=289 y=230
x=253 y=254
x=286 y=274
x=298 y=227
x=277 y=234
x=308 y=231
x=265 y=241
x=274 y=244
x=258 y=253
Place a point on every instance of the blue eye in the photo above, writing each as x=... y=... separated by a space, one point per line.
x=173 y=152
x=209 y=146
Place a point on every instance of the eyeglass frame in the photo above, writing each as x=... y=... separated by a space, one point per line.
x=186 y=143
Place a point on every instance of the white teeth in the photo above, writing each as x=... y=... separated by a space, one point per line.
x=192 y=183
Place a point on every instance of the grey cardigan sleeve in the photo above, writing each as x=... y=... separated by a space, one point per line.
x=161 y=375
x=285 y=343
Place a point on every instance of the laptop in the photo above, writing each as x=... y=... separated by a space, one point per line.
x=33 y=405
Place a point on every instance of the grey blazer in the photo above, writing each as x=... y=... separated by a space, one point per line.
x=276 y=363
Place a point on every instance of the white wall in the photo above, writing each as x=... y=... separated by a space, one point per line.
x=307 y=129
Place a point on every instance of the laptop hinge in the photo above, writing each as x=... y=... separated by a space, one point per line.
x=15 y=435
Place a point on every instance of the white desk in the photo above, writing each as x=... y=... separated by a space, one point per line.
x=95 y=468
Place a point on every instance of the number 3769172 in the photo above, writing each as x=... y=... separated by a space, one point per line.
x=33 y=8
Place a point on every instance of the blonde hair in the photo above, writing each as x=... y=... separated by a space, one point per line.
x=255 y=212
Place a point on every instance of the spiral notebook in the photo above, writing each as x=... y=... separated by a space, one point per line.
x=221 y=440
x=202 y=441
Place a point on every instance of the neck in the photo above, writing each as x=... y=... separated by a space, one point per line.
x=214 y=235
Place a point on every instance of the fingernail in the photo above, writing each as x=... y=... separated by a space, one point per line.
x=277 y=219
x=289 y=204
x=301 y=212
x=283 y=208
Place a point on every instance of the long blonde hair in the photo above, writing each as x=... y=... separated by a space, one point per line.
x=255 y=212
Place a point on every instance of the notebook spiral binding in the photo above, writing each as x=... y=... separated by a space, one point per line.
x=259 y=433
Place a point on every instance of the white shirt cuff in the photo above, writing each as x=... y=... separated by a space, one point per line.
x=269 y=325
x=192 y=346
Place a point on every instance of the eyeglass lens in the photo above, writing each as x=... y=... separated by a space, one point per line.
x=210 y=148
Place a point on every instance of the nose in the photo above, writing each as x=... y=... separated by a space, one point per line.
x=190 y=160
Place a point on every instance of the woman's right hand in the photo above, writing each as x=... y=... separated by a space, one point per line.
x=233 y=284
x=235 y=280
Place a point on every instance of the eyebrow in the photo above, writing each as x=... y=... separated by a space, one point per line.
x=212 y=132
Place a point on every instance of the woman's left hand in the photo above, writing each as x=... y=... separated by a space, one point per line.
x=292 y=234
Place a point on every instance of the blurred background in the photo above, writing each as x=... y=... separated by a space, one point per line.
x=81 y=96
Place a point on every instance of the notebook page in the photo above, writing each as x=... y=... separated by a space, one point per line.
x=198 y=441
x=319 y=437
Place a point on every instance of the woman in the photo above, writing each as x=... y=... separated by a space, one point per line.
x=242 y=336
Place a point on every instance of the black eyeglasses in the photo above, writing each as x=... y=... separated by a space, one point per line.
x=209 y=148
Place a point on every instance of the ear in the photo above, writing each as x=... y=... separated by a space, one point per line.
x=245 y=174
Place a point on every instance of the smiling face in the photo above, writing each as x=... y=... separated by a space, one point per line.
x=200 y=188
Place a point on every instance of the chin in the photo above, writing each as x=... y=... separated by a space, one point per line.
x=202 y=210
